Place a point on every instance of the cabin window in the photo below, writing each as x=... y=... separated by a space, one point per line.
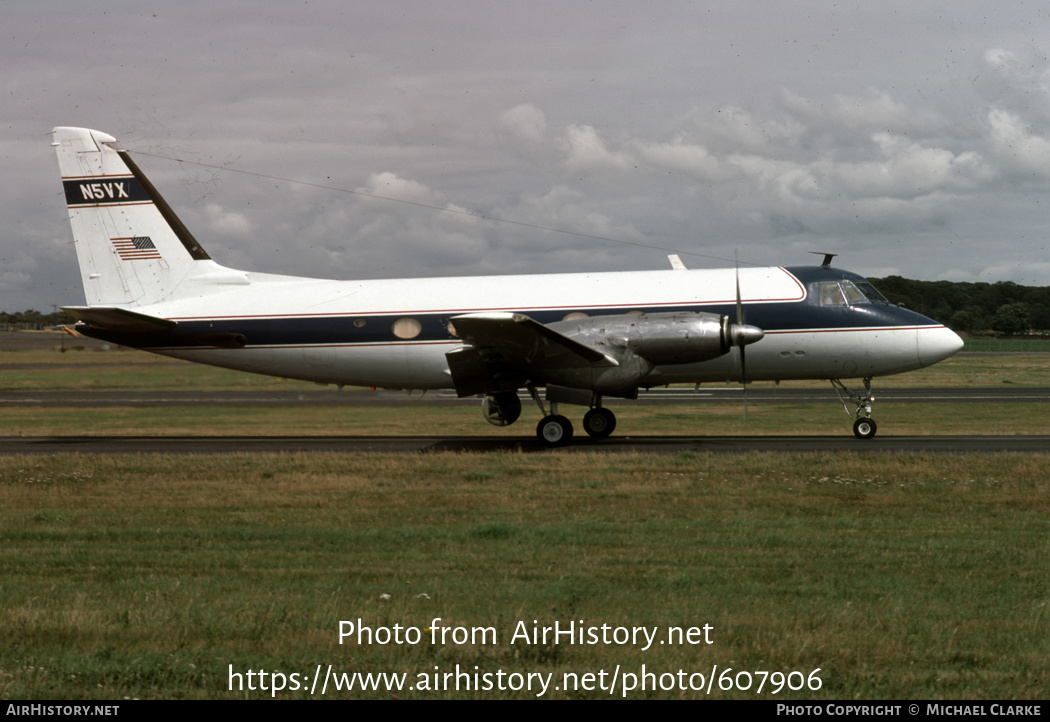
x=406 y=328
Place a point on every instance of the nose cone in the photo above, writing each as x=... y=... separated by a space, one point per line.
x=936 y=344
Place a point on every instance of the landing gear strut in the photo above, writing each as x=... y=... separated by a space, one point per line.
x=864 y=427
x=553 y=429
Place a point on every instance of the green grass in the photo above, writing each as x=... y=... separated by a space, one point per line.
x=904 y=577
x=697 y=419
x=900 y=577
x=125 y=369
x=1007 y=345
x=48 y=369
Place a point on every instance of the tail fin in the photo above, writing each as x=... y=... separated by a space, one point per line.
x=132 y=248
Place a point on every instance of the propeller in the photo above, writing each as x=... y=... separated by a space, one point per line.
x=742 y=334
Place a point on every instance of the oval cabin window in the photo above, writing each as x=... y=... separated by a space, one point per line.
x=406 y=328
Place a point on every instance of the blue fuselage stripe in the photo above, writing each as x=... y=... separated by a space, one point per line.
x=365 y=329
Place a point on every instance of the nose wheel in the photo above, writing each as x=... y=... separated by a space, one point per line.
x=864 y=428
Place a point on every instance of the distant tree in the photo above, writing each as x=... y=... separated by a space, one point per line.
x=1039 y=315
x=1012 y=319
x=969 y=319
x=36 y=318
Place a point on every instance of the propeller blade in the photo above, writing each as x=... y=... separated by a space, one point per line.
x=739 y=328
x=739 y=303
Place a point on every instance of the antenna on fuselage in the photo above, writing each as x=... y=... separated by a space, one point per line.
x=827 y=258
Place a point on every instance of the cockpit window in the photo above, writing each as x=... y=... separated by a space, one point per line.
x=849 y=293
x=853 y=294
x=831 y=295
x=871 y=292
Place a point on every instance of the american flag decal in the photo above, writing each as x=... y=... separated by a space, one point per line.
x=135 y=248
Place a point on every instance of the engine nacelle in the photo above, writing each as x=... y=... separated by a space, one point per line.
x=662 y=339
x=682 y=338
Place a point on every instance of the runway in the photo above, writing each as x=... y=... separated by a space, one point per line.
x=526 y=442
x=365 y=397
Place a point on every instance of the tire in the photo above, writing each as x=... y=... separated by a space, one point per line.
x=599 y=423
x=865 y=428
x=501 y=409
x=554 y=431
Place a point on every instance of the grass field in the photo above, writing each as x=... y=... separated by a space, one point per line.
x=898 y=577
x=698 y=419
x=910 y=577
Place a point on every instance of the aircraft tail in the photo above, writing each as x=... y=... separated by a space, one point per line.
x=132 y=248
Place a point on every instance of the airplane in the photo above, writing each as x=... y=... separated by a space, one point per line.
x=581 y=337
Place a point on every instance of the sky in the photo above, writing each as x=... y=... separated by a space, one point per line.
x=428 y=138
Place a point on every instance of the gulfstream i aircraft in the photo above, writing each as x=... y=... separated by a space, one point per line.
x=581 y=337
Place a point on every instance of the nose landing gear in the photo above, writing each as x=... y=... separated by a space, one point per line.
x=864 y=427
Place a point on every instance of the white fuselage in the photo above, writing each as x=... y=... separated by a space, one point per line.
x=280 y=316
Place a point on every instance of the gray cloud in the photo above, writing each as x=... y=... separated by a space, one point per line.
x=898 y=135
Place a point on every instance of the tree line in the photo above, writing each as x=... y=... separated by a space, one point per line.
x=35 y=319
x=1004 y=307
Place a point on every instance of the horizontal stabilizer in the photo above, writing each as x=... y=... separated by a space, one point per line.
x=119 y=319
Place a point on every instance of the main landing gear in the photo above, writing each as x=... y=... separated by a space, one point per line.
x=556 y=430
x=864 y=427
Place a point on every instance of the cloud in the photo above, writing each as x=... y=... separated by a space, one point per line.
x=842 y=115
x=734 y=129
x=525 y=122
x=225 y=222
x=584 y=150
x=903 y=170
x=681 y=156
x=1019 y=151
x=387 y=185
x=673 y=129
x=386 y=237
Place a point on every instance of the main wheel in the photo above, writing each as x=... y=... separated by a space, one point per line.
x=599 y=423
x=554 y=430
x=501 y=409
x=864 y=428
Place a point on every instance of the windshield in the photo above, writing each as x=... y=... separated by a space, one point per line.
x=850 y=293
x=871 y=292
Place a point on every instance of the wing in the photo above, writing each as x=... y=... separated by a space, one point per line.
x=501 y=349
